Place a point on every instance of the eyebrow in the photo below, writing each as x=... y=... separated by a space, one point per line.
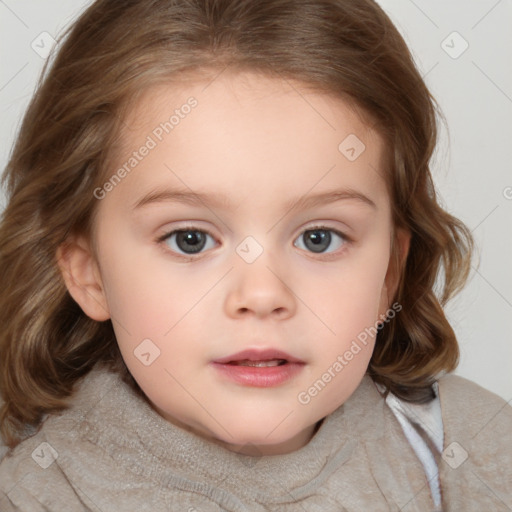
x=220 y=201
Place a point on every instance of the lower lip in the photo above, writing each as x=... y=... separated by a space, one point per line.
x=259 y=376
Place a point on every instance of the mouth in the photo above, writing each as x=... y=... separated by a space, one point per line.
x=259 y=364
x=259 y=358
x=259 y=368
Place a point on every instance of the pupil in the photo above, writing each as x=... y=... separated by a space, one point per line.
x=190 y=241
x=318 y=240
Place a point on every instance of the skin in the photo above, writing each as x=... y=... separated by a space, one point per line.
x=262 y=143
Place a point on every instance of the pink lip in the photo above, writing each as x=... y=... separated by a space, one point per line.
x=262 y=377
x=258 y=355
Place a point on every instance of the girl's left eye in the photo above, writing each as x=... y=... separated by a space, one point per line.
x=318 y=239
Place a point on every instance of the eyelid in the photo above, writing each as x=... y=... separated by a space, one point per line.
x=188 y=227
x=326 y=228
x=191 y=227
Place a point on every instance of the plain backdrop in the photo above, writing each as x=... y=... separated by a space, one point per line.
x=464 y=51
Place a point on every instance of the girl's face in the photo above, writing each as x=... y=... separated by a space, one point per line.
x=251 y=215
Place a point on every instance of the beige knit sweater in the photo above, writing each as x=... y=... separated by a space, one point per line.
x=112 y=452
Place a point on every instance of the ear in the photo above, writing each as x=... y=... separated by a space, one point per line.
x=82 y=277
x=399 y=251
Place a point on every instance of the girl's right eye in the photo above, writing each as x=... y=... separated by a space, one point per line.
x=189 y=240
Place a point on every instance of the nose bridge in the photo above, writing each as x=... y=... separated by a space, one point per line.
x=258 y=285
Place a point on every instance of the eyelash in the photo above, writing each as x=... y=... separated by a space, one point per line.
x=190 y=257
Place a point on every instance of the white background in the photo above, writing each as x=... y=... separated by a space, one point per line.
x=472 y=167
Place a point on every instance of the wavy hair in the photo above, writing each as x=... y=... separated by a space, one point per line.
x=70 y=131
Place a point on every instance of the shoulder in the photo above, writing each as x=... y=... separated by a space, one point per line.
x=451 y=384
x=475 y=417
x=35 y=474
x=30 y=477
x=469 y=407
x=476 y=465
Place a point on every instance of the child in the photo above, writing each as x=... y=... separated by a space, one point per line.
x=297 y=358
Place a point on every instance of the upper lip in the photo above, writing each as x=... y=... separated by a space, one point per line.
x=258 y=355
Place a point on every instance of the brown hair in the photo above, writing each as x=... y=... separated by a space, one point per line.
x=114 y=51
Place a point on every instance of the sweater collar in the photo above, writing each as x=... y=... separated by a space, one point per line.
x=127 y=428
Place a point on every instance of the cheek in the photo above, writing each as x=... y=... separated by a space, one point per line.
x=154 y=308
x=349 y=306
x=347 y=296
x=152 y=298
x=146 y=291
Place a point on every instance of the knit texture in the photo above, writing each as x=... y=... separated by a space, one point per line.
x=112 y=452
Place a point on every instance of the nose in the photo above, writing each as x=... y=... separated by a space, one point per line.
x=257 y=290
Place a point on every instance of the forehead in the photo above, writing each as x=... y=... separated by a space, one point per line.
x=249 y=132
x=243 y=92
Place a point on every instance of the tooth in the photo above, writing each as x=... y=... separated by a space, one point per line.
x=259 y=364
